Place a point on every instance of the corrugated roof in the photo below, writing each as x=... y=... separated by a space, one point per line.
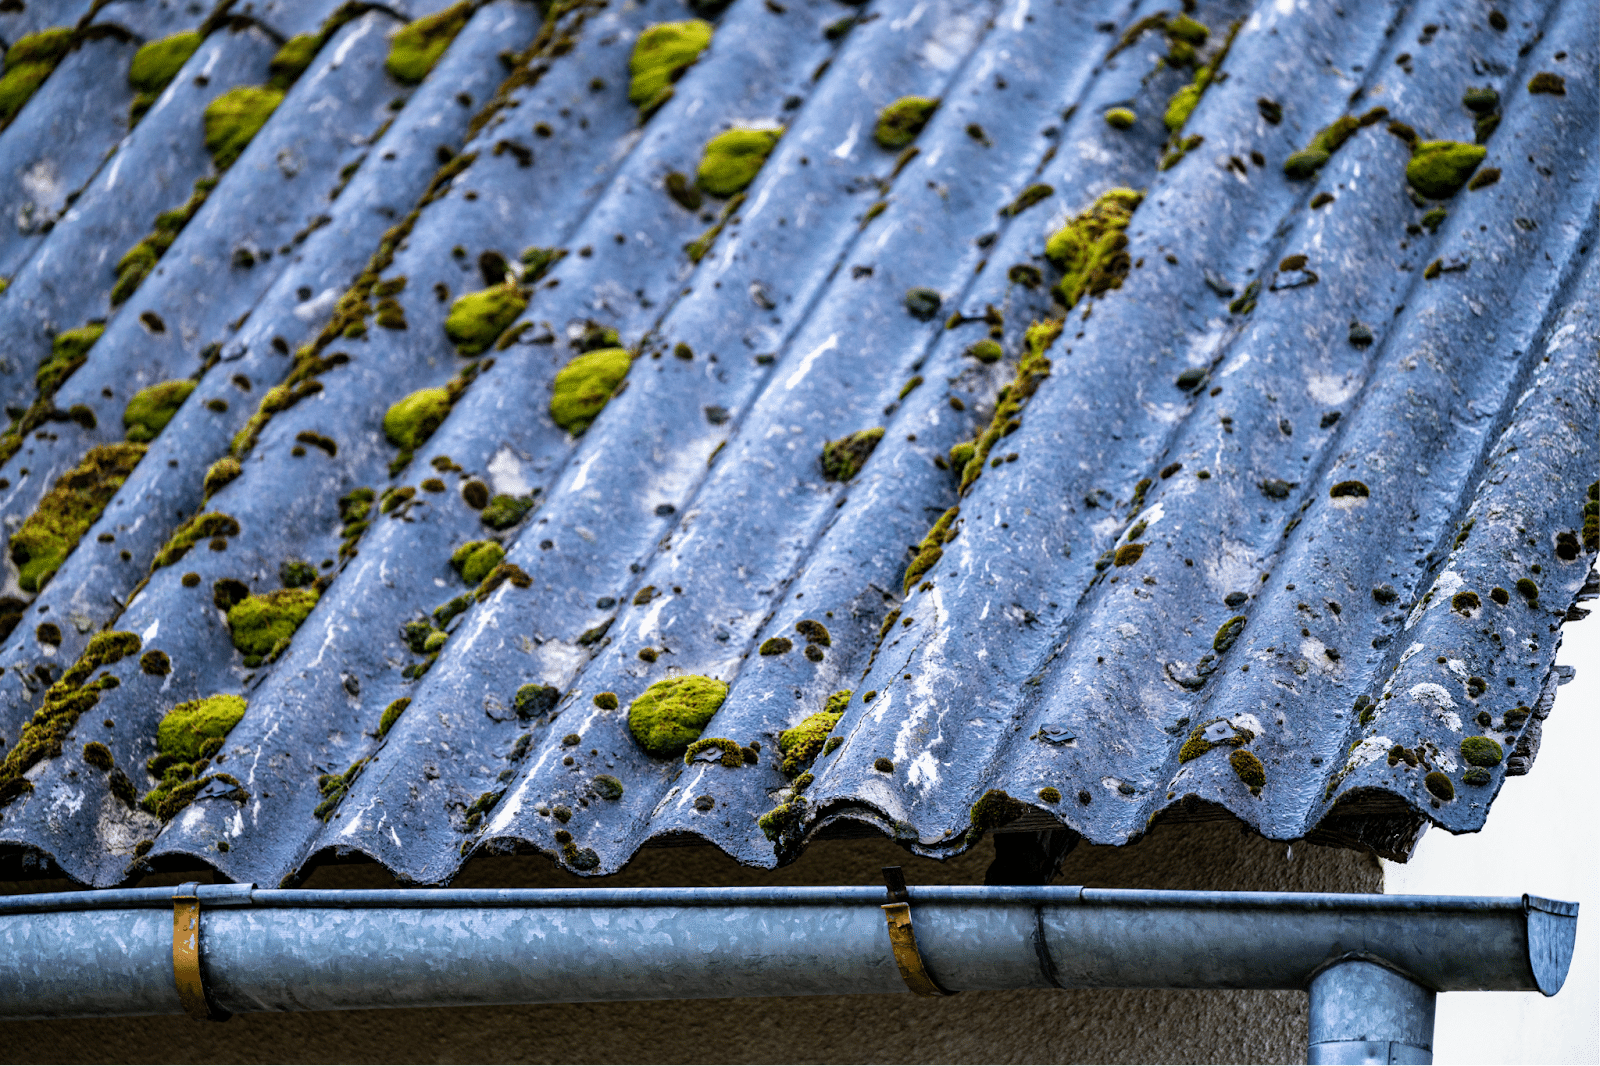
x=1289 y=513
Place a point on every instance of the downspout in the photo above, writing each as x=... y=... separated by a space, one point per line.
x=1371 y=964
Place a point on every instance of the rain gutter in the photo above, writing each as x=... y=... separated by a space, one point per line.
x=1371 y=964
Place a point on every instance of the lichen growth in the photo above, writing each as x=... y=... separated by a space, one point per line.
x=200 y=527
x=1438 y=169
x=842 y=459
x=149 y=411
x=418 y=45
x=234 y=118
x=1091 y=250
x=64 y=515
x=660 y=56
x=1249 y=769
x=801 y=744
x=474 y=559
x=670 y=715
x=477 y=319
x=732 y=160
x=996 y=808
x=1482 y=751
x=263 y=624
x=584 y=386
x=29 y=61
x=900 y=122
x=411 y=421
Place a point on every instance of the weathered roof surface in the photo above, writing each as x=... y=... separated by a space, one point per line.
x=1256 y=535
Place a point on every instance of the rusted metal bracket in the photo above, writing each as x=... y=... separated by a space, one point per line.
x=197 y=1004
x=903 y=939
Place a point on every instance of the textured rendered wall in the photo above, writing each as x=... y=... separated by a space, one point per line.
x=1028 y=1026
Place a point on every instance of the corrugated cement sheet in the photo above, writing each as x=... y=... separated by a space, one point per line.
x=1277 y=519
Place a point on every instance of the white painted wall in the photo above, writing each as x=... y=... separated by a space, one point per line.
x=1542 y=837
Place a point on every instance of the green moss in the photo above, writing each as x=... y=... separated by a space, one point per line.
x=68 y=351
x=732 y=755
x=156 y=663
x=842 y=459
x=732 y=160
x=1349 y=489
x=800 y=745
x=504 y=511
x=778 y=821
x=1528 y=588
x=1542 y=82
x=1033 y=194
x=502 y=573
x=585 y=385
x=660 y=56
x=996 y=808
x=1090 y=251
x=1438 y=169
x=986 y=351
x=411 y=421
x=1306 y=162
x=670 y=715
x=1121 y=118
x=263 y=624
x=474 y=559
x=1032 y=368
x=149 y=411
x=1227 y=633
x=292 y=59
x=1128 y=554
x=776 y=646
x=1482 y=751
x=900 y=122
x=234 y=118
x=1188 y=30
x=606 y=701
x=186 y=728
x=158 y=62
x=1249 y=769
x=961 y=454
x=814 y=632
x=477 y=319
x=72 y=505
x=1440 y=785
x=1466 y=601
x=1182 y=105
x=931 y=549
x=28 y=63
x=1049 y=794
x=418 y=45
x=391 y=715
x=607 y=787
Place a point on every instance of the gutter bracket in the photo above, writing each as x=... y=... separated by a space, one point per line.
x=903 y=938
x=197 y=1002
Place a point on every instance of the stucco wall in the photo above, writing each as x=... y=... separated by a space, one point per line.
x=1029 y=1026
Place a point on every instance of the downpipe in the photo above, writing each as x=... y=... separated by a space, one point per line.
x=1371 y=964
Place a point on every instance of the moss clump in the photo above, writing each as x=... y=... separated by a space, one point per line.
x=606 y=701
x=411 y=421
x=660 y=56
x=585 y=385
x=1543 y=82
x=98 y=756
x=1033 y=194
x=1440 y=785
x=1032 y=369
x=996 y=808
x=986 y=351
x=292 y=59
x=156 y=663
x=1466 y=601
x=1528 y=588
x=1482 y=751
x=263 y=624
x=1306 y=162
x=776 y=646
x=1091 y=250
x=474 y=559
x=504 y=511
x=900 y=122
x=1249 y=769
x=296 y=573
x=198 y=528
x=185 y=730
x=1121 y=118
x=1227 y=633
x=534 y=699
x=477 y=319
x=732 y=755
x=1128 y=554
x=28 y=63
x=1438 y=169
x=804 y=742
x=670 y=715
x=502 y=573
x=151 y=409
x=732 y=160
x=234 y=118
x=842 y=459
x=1351 y=489
x=1049 y=794
x=418 y=45
x=814 y=632
x=607 y=787
x=67 y=511
x=155 y=65
x=931 y=548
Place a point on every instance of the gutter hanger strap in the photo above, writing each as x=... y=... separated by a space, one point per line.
x=186 y=956
x=903 y=938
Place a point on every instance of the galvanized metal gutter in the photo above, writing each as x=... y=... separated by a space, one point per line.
x=1372 y=964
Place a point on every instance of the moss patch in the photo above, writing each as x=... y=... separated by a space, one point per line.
x=410 y=422
x=149 y=411
x=660 y=56
x=418 y=45
x=262 y=625
x=800 y=745
x=155 y=65
x=1228 y=633
x=727 y=752
x=900 y=122
x=1482 y=751
x=185 y=730
x=732 y=160
x=931 y=548
x=1310 y=159
x=585 y=385
x=67 y=511
x=474 y=559
x=28 y=63
x=1032 y=369
x=200 y=527
x=1120 y=118
x=996 y=808
x=670 y=715
x=1441 y=786
x=1248 y=768
x=1091 y=250
x=1438 y=169
x=477 y=319
x=235 y=117
x=842 y=459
